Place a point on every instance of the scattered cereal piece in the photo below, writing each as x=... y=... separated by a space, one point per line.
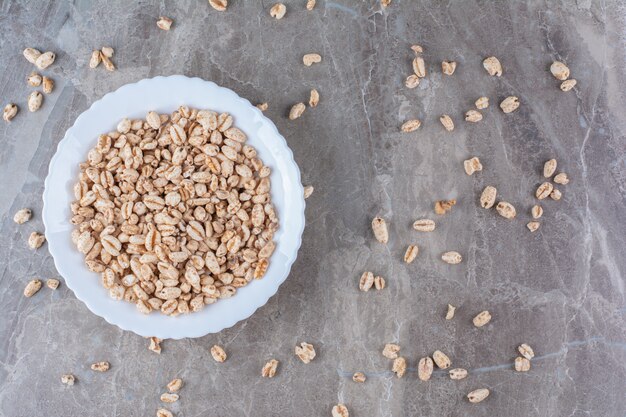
x=262 y=106
x=35 y=240
x=536 y=211
x=95 y=59
x=425 y=368
x=34 y=79
x=522 y=364
x=424 y=225
x=52 y=283
x=383 y=3
x=473 y=116
x=447 y=122
x=457 y=373
x=155 y=345
x=341 y=410
x=533 y=226
x=450 y=312
x=175 y=385
x=218 y=353
x=452 y=258
x=399 y=366
x=366 y=281
x=411 y=125
x=444 y=206
x=310 y=4
x=391 y=351
x=506 y=210
x=22 y=216
x=32 y=287
x=568 y=84
x=9 y=112
x=162 y=412
x=107 y=51
x=412 y=81
x=411 y=253
x=544 y=190
x=509 y=104
x=314 y=98
x=379 y=282
x=488 y=197
x=269 y=369
x=306 y=352
x=482 y=103
x=417 y=49
x=167 y=397
x=308 y=190
x=45 y=60
x=549 y=167
x=164 y=23
x=278 y=11
x=68 y=379
x=441 y=359
x=526 y=351
x=556 y=194
x=359 y=377
x=296 y=111
x=419 y=67
x=48 y=85
x=108 y=64
x=472 y=165
x=559 y=70
x=310 y=59
x=561 y=178
x=219 y=5
x=448 y=67
x=478 y=395
x=482 y=318
x=34 y=101
x=379 y=227
x=31 y=54
x=493 y=66
x=100 y=366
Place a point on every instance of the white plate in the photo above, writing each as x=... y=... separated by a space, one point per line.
x=164 y=95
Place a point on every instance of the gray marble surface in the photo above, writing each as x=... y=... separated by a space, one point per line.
x=560 y=289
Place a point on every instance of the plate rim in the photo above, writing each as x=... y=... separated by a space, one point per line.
x=128 y=325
